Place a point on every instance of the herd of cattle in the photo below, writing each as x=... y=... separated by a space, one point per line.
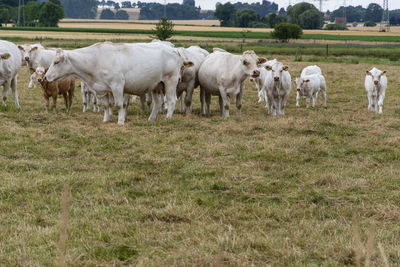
x=157 y=71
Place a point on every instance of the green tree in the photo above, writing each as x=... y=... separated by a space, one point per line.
x=80 y=9
x=50 y=13
x=122 y=15
x=32 y=10
x=244 y=17
x=374 y=12
x=369 y=24
x=285 y=31
x=164 y=29
x=311 y=19
x=272 y=19
x=4 y=16
x=295 y=11
x=107 y=14
x=225 y=14
x=189 y=3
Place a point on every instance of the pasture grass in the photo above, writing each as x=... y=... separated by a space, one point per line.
x=246 y=190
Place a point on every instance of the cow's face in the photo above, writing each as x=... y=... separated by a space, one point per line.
x=40 y=73
x=277 y=70
x=185 y=66
x=31 y=53
x=301 y=84
x=24 y=49
x=376 y=75
x=60 y=69
x=251 y=62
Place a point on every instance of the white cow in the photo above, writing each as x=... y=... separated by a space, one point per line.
x=310 y=83
x=260 y=82
x=375 y=85
x=120 y=69
x=25 y=49
x=277 y=86
x=87 y=93
x=10 y=63
x=38 y=56
x=224 y=74
x=189 y=79
x=313 y=69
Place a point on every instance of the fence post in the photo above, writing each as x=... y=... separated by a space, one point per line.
x=241 y=48
x=297 y=53
x=327 y=50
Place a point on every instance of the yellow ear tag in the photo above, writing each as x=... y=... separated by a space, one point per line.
x=188 y=65
x=285 y=68
x=268 y=68
x=5 y=56
x=384 y=74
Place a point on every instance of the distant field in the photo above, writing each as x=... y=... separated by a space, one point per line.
x=136 y=21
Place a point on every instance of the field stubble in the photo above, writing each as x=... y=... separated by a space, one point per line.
x=250 y=189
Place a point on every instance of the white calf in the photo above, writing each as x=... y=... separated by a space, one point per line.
x=375 y=85
x=309 y=86
x=86 y=95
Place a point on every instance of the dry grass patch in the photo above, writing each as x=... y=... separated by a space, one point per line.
x=248 y=190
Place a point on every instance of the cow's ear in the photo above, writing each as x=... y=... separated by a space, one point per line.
x=188 y=64
x=261 y=60
x=384 y=73
x=245 y=62
x=5 y=56
x=307 y=80
x=368 y=73
x=20 y=47
x=268 y=68
x=45 y=70
x=285 y=68
x=34 y=49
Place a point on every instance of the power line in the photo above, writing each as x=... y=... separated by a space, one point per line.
x=21 y=13
x=385 y=22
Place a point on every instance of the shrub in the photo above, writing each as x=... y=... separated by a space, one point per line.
x=285 y=31
x=369 y=24
x=164 y=29
x=107 y=14
x=336 y=27
x=257 y=24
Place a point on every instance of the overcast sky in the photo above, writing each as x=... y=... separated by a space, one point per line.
x=327 y=4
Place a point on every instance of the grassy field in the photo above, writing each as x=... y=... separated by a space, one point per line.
x=247 y=190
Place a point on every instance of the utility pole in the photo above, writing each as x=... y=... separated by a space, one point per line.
x=385 y=22
x=165 y=8
x=21 y=13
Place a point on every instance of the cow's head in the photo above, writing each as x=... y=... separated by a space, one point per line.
x=31 y=52
x=277 y=69
x=61 y=68
x=41 y=73
x=251 y=62
x=301 y=83
x=185 y=66
x=376 y=75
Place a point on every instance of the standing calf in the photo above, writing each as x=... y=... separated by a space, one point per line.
x=310 y=83
x=375 y=85
x=53 y=89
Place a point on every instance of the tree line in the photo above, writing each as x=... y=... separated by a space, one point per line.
x=36 y=13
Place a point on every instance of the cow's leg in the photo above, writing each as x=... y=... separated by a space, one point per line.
x=94 y=103
x=221 y=105
x=6 y=87
x=265 y=97
x=126 y=103
x=189 y=97
x=143 y=103
x=14 y=91
x=134 y=99
x=71 y=96
x=118 y=95
x=105 y=102
x=225 y=101
x=307 y=102
x=181 y=106
x=170 y=93
x=239 y=99
x=46 y=101
x=314 y=99
x=275 y=105
x=156 y=107
x=284 y=100
x=202 y=100
x=208 y=102
x=376 y=103
x=84 y=96
x=149 y=99
x=370 y=101
x=380 y=102
x=298 y=99
x=54 y=107
x=323 y=95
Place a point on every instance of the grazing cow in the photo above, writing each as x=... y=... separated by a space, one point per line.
x=120 y=69
x=10 y=63
x=375 y=85
x=278 y=86
x=86 y=95
x=224 y=74
x=53 y=89
x=189 y=79
x=310 y=83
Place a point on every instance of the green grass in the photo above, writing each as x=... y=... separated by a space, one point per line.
x=216 y=34
x=247 y=190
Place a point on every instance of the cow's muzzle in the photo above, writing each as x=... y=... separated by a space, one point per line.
x=255 y=74
x=376 y=82
x=26 y=58
x=276 y=79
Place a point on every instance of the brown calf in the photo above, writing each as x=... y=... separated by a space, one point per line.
x=53 y=89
